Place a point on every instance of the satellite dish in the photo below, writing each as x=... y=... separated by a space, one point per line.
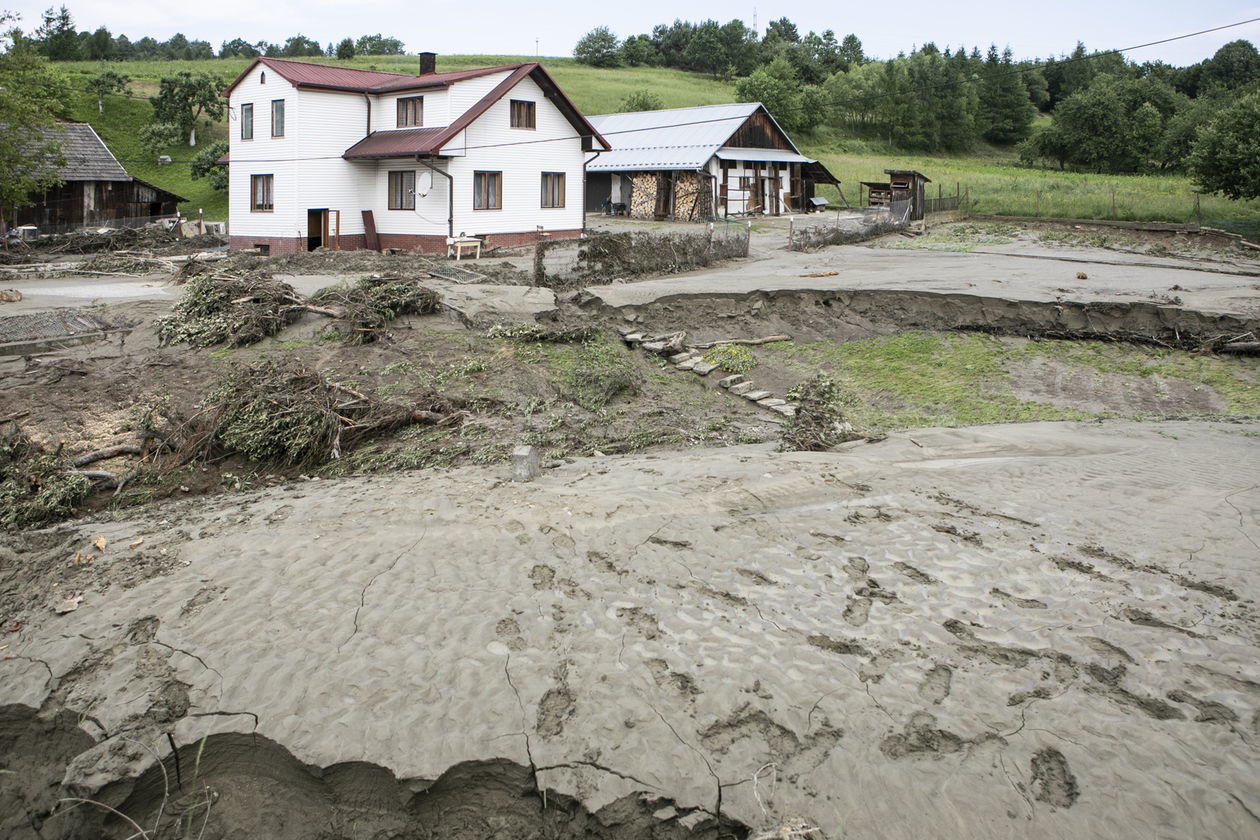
x=424 y=183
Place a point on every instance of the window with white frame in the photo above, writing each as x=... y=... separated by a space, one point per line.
x=247 y=121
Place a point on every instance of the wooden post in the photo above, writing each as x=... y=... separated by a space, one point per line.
x=791 y=230
x=710 y=242
x=1198 y=212
x=1113 y=205
x=337 y=231
x=748 y=240
x=201 y=224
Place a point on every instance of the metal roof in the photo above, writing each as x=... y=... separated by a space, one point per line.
x=86 y=157
x=330 y=77
x=674 y=138
x=396 y=143
x=768 y=155
x=429 y=141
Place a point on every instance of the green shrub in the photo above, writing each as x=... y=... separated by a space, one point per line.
x=734 y=358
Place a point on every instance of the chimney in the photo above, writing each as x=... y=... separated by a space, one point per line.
x=428 y=63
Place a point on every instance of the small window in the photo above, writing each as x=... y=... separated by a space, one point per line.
x=411 y=111
x=260 y=190
x=487 y=190
x=402 y=190
x=553 y=189
x=263 y=248
x=745 y=182
x=262 y=78
x=277 y=118
x=247 y=121
x=522 y=114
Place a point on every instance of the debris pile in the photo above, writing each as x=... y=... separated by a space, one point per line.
x=819 y=423
x=362 y=312
x=35 y=486
x=270 y=414
x=228 y=309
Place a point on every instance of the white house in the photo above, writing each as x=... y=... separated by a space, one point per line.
x=691 y=163
x=324 y=155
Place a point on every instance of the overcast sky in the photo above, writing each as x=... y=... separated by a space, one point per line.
x=503 y=27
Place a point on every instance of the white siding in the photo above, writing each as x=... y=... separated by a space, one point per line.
x=310 y=173
x=522 y=155
x=264 y=155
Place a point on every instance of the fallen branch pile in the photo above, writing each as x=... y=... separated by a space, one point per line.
x=295 y=418
x=819 y=423
x=225 y=309
x=362 y=312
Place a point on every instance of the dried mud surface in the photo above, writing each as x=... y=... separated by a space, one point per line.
x=1044 y=629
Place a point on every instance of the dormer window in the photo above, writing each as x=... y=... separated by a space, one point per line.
x=522 y=114
x=411 y=111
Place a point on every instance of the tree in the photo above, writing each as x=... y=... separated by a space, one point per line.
x=57 y=36
x=850 y=52
x=345 y=49
x=31 y=96
x=705 y=52
x=300 y=45
x=157 y=136
x=239 y=47
x=1234 y=65
x=107 y=82
x=206 y=164
x=1226 y=157
x=1006 y=112
x=100 y=46
x=183 y=98
x=641 y=100
x=378 y=44
x=784 y=29
x=636 y=50
x=775 y=87
x=598 y=48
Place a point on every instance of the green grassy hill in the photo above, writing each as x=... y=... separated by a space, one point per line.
x=998 y=184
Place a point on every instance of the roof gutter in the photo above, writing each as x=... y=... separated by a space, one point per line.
x=367 y=100
x=450 y=195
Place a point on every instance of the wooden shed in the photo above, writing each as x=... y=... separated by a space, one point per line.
x=95 y=189
x=690 y=164
x=907 y=184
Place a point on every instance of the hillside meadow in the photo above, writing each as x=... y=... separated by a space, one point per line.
x=996 y=182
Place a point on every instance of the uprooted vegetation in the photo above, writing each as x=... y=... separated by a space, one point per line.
x=35 y=486
x=218 y=308
x=819 y=423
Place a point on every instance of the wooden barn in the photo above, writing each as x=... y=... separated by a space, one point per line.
x=693 y=163
x=903 y=185
x=95 y=189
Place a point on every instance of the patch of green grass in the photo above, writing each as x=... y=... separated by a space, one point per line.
x=960 y=238
x=918 y=379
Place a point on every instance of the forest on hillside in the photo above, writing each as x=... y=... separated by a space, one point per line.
x=1083 y=111
x=1109 y=114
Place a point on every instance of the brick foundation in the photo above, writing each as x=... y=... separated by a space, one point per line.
x=407 y=242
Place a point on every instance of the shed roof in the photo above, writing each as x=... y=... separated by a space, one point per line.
x=85 y=154
x=672 y=138
x=913 y=172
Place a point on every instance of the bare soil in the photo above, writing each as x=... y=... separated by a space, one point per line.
x=616 y=655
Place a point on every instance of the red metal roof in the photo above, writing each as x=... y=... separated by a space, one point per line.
x=429 y=141
x=404 y=142
x=330 y=77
